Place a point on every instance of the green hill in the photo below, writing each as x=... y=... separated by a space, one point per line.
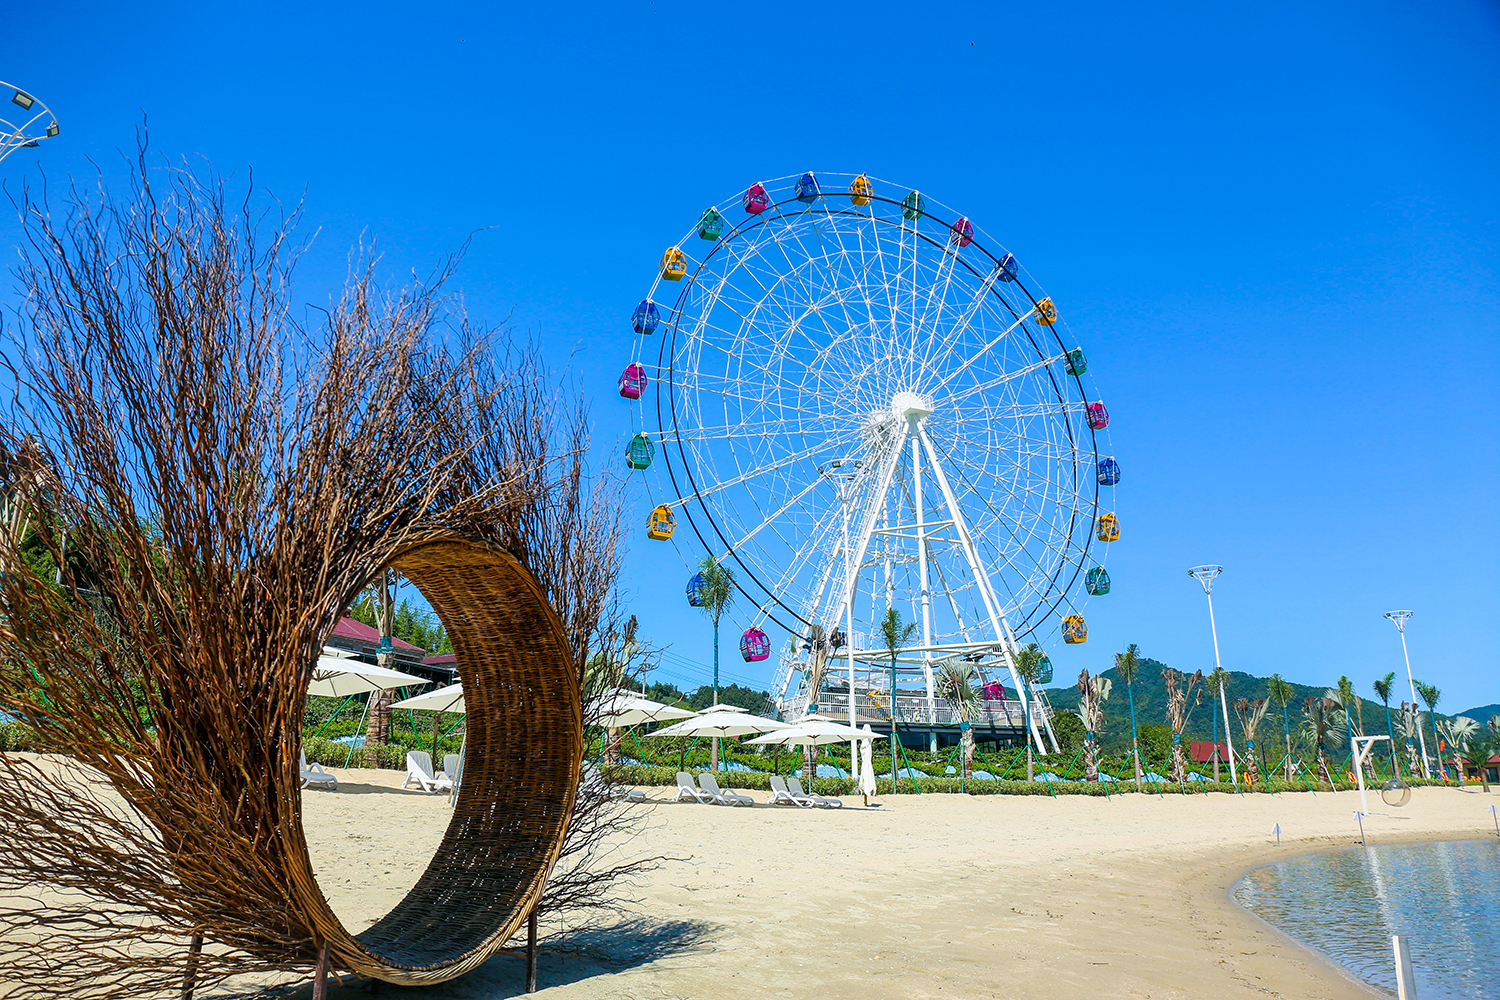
x=1481 y=714
x=1151 y=706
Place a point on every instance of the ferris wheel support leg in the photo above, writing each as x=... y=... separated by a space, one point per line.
x=981 y=577
x=921 y=522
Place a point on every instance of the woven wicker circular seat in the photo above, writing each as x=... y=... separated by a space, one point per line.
x=521 y=767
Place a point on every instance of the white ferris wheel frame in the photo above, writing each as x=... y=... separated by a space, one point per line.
x=831 y=602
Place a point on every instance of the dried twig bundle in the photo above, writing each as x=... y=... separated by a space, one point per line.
x=196 y=488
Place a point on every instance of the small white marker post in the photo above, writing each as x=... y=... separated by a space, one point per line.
x=1360 y=753
x=1276 y=829
x=1359 y=818
x=1406 y=980
x=1496 y=818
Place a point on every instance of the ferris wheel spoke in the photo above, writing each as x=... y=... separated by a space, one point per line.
x=779 y=464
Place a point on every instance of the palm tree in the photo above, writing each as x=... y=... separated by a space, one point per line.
x=1251 y=714
x=1028 y=668
x=1408 y=722
x=1458 y=731
x=1093 y=692
x=1478 y=747
x=1126 y=664
x=1383 y=688
x=955 y=685
x=1316 y=713
x=1280 y=690
x=716 y=593
x=895 y=635
x=1430 y=694
x=1180 y=688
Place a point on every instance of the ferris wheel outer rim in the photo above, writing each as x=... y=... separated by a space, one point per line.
x=1061 y=593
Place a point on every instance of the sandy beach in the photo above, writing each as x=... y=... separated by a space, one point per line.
x=917 y=897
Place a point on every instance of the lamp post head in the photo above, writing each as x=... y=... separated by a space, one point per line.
x=1398 y=618
x=1205 y=575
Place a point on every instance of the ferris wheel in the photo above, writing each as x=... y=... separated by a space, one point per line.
x=858 y=401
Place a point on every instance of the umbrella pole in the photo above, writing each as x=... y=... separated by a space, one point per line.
x=356 y=731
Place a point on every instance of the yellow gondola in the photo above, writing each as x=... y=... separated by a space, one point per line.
x=1108 y=528
x=661 y=523
x=1074 y=630
x=861 y=191
x=673 y=264
x=1046 y=312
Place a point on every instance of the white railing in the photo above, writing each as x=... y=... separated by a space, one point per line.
x=875 y=706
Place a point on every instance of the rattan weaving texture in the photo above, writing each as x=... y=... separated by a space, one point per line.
x=521 y=768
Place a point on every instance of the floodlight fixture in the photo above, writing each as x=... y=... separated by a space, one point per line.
x=23 y=99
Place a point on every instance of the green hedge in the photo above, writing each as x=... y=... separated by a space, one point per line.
x=630 y=774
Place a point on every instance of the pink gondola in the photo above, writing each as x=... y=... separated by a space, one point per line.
x=963 y=232
x=1098 y=416
x=755 y=645
x=633 y=381
x=756 y=200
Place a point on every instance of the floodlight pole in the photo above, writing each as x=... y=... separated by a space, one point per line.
x=31 y=128
x=1398 y=619
x=1205 y=575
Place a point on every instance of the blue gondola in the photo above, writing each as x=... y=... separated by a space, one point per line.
x=1109 y=472
x=646 y=317
x=710 y=224
x=695 y=590
x=807 y=189
x=1097 y=581
x=639 y=452
x=1009 y=268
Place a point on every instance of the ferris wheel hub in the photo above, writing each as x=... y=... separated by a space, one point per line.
x=912 y=405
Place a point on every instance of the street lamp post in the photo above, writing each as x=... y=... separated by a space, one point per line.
x=1398 y=619
x=1205 y=575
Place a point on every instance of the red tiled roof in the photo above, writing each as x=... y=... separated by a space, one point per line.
x=441 y=660
x=348 y=628
x=1202 y=751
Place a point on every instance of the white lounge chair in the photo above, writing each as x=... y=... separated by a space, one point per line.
x=451 y=767
x=723 y=796
x=593 y=779
x=781 y=796
x=794 y=785
x=313 y=774
x=419 y=769
x=687 y=791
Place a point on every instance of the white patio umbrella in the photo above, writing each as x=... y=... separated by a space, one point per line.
x=622 y=709
x=814 y=731
x=444 y=699
x=338 y=678
x=867 y=764
x=721 y=720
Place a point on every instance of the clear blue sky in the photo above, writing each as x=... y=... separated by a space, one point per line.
x=1276 y=229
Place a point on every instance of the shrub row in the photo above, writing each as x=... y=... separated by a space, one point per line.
x=629 y=774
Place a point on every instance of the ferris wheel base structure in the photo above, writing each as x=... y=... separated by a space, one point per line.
x=998 y=720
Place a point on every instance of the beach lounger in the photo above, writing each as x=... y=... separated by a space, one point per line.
x=450 y=767
x=313 y=774
x=593 y=779
x=723 y=796
x=687 y=791
x=419 y=769
x=781 y=796
x=794 y=785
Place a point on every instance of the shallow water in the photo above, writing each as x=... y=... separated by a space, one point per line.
x=1346 y=904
